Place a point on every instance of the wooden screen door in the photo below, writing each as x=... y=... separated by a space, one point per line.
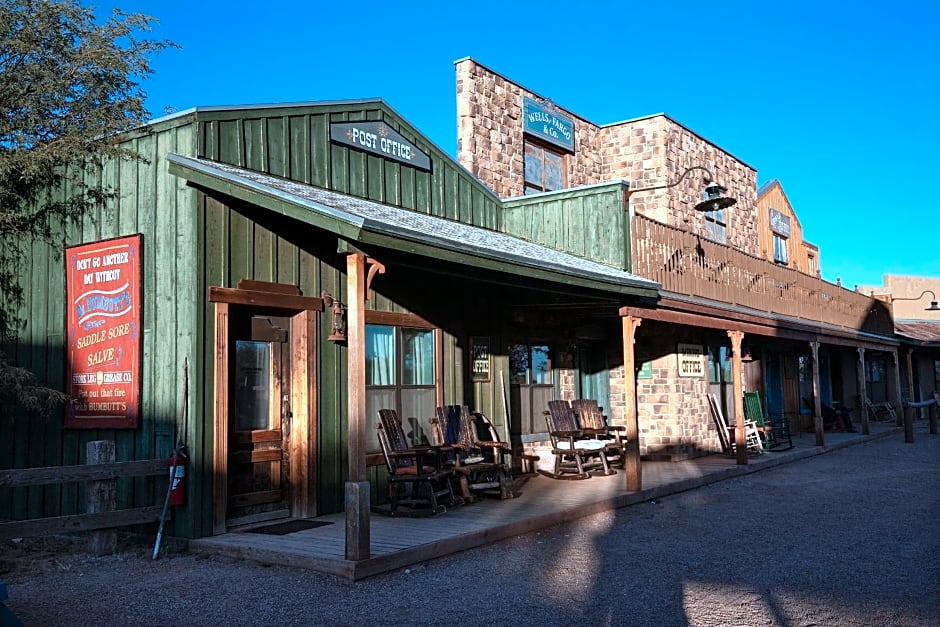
x=260 y=418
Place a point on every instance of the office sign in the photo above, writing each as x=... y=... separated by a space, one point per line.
x=545 y=121
x=380 y=139
x=691 y=360
x=480 y=357
x=103 y=286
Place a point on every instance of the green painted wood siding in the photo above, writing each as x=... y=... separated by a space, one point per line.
x=159 y=207
x=589 y=222
x=294 y=142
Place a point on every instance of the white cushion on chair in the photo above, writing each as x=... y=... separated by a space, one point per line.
x=472 y=460
x=582 y=445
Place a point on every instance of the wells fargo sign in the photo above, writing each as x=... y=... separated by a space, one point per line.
x=104 y=333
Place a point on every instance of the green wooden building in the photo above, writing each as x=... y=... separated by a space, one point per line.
x=297 y=267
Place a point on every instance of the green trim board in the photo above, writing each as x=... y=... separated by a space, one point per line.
x=369 y=222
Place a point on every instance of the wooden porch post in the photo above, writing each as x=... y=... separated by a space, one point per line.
x=817 y=402
x=862 y=390
x=357 y=485
x=740 y=437
x=897 y=388
x=631 y=465
x=909 y=411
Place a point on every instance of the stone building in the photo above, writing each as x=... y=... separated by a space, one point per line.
x=630 y=194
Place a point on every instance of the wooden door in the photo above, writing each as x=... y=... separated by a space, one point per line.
x=259 y=428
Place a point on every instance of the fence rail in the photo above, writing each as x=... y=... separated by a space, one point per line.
x=686 y=263
x=92 y=520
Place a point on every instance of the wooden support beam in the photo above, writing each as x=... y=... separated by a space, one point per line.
x=632 y=469
x=817 y=402
x=862 y=391
x=357 y=486
x=737 y=385
x=909 y=410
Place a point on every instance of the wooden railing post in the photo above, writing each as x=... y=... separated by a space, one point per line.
x=101 y=497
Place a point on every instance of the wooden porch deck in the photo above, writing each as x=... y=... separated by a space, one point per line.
x=541 y=503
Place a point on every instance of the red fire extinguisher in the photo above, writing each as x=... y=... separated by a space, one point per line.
x=178 y=477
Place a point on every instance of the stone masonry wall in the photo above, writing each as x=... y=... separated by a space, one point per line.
x=674 y=418
x=490 y=138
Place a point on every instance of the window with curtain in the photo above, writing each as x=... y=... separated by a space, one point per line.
x=400 y=376
x=780 y=249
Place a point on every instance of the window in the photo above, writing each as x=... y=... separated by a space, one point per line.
x=936 y=375
x=543 y=169
x=780 y=249
x=530 y=365
x=716 y=226
x=812 y=269
x=805 y=369
x=400 y=376
x=719 y=364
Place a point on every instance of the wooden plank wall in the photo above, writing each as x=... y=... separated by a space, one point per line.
x=158 y=206
x=587 y=222
x=241 y=242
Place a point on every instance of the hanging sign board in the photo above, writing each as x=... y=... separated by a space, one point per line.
x=380 y=139
x=480 y=356
x=545 y=121
x=104 y=334
x=779 y=223
x=691 y=360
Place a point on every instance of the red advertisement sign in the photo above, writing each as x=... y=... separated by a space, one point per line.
x=104 y=333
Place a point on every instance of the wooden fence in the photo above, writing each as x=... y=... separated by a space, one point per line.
x=99 y=505
x=686 y=263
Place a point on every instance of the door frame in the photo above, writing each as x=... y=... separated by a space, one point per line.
x=283 y=300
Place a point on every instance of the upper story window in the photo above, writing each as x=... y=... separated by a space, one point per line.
x=780 y=249
x=716 y=227
x=544 y=169
x=811 y=268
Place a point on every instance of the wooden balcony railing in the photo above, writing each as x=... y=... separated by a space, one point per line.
x=686 y=263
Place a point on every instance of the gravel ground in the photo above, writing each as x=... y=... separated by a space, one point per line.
x=845 y=538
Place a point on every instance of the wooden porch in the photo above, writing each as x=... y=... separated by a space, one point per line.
x=541 y=503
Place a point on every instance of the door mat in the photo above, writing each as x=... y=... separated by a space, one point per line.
x=284 y=528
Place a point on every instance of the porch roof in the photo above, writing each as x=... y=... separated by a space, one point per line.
x=923 y=332
x=358 y=220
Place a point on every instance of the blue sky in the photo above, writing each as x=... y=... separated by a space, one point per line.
x=838 y=101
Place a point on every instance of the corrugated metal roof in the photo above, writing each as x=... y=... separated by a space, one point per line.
x=356 y=218
x=920 y=330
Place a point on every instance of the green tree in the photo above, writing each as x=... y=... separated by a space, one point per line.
x=69 y=82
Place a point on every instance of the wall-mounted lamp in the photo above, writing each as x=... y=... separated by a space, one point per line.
x=933 y=303
x=747 y=357
x=337 y=318
x=713 y=193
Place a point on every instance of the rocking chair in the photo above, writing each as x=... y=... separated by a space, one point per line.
x=575 y=452
x=775 y=433
x=726 y=434
x=417 y=476
x=456 y=427
x=594 y=423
